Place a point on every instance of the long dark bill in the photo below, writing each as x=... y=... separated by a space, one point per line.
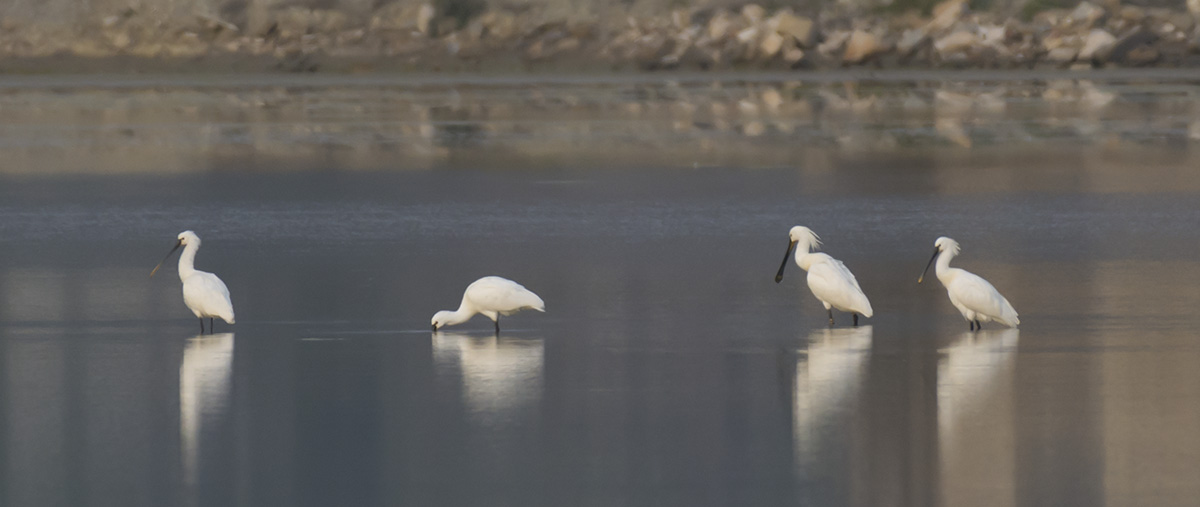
x=786 y=256
x=922 y=277
x=160 y=263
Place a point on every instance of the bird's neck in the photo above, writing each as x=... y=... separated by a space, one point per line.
x=187 y=261
x=464 y=313
x=804 y=259
x=943 y=271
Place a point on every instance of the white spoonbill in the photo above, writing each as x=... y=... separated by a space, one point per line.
x=974 y=297
x=492 y=296
x=203 y=293
x=828 y=278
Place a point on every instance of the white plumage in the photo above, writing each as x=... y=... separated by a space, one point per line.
x=828 y=279
x=203 y=293
x=974 y=297
x=491 y=296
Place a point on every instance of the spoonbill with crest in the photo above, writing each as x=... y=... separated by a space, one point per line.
x=829 y=279
x=974 y=297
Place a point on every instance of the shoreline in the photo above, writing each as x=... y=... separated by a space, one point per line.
x=417 y=38
x=194 y=78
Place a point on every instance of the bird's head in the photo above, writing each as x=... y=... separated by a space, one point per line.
x=184 y=238
x=801 y=233
x=188 y=238
x=440 y=319
x=943 y=244
x=798 y=234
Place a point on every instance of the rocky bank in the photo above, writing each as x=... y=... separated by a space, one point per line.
x=461 y=35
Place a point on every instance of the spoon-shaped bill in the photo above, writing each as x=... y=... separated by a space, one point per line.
x=160 y=263
x=922 y=277
x=786 y=255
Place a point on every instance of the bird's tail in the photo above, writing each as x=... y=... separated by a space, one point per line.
x=534 y=302
x=1009 y=316
x=863 y=305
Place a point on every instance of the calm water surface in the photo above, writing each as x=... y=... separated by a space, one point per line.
x=669 y=368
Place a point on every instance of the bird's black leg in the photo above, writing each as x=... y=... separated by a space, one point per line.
x=201 y=325
x=210 y=325
x=830 y=317
x=978 y=325
x=855 y=319
x=971 y=324
x=497 y=325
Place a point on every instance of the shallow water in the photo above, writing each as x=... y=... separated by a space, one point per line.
x=669 y=367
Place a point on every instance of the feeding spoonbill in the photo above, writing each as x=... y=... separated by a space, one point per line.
x=492 y=296
x=829 y=279
x=974 y=297
x=203 y=293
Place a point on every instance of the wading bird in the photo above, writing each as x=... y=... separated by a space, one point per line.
x=492 y=296
x=203 y=293
x=974 y=297
x=829 y=279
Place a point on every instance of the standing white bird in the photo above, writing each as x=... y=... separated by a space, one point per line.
x=203 y=293
x=974 y=297
x=828 y=279
x=492 y=296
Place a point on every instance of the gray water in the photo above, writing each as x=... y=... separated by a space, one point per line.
x=669 y=368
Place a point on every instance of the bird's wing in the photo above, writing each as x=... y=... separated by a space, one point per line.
x=503 y=295
x=977 y=294
x=211 y=294
x=831 y=281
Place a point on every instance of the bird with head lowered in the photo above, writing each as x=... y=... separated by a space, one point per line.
x=491 y=296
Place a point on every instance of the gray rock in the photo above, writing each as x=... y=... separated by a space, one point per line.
x=771 y=44
x=861 y=46
x=1085 y=15
x=956 y=42
x=1132 y=13
x=425 y=14
x=1126 y=43
x=910 y=40
x=719 y=26
x=1183 y=21
x=294 y=22
x=1062 y=54
x=834 y=42
x=1097 y=41
x=753 y=12
x=946 y=14
x=1142 y=55
x=792 y=54
x=799 y=28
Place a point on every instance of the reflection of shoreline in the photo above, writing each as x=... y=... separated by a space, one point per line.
x=829 y=373
x=204 y=386
x=368 y=122
x=497 y=375
x=976 y=433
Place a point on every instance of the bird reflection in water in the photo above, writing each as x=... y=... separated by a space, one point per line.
x=976 y=434
x=499 y=375
x=204 y=386
x=829 y=374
